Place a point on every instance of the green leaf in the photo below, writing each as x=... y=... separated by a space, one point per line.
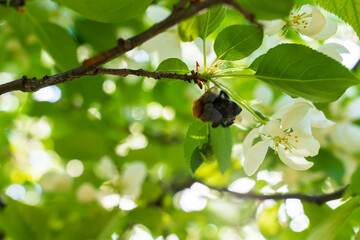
x=255 y=64
x=237 y=42
x=267 y=9
x=89 y=32
x=196 y=160
x=108 y=11
x=332 y=225
x=222 y=146
x=59 y=44
x=173 y=65
x=210 y=21
x=347 y=10
x=188 y=30
x=196 y=137
x=303 y=72
x=201 y=26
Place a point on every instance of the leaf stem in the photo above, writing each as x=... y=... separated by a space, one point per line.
x=243 y=75
x=204 y=53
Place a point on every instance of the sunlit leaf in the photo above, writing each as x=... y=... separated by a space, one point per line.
x=174 y=65
x=303 y=72
x=188 y=30
x=201 y=26
x=237 y=42
x=211 y=20
x=347 y=10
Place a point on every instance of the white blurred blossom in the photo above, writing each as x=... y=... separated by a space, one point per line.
x=133 y=177
x=56 y=181
x=86 y=193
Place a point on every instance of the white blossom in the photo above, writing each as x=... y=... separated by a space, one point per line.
x=333 y=50
x=306 y=20
x=289 y=134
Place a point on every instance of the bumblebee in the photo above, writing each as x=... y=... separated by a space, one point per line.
x=216 y=107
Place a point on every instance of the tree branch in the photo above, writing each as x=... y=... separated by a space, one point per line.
x=90 y=66
x=145 y=73
x=318 y=199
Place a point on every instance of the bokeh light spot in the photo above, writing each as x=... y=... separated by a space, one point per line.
x=48 y=94
x=16 y=192
x=75 y=168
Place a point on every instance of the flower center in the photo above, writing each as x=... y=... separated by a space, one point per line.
x=299 y=20
x=284 y=142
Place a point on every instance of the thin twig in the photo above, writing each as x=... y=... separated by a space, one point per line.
x=318 y=199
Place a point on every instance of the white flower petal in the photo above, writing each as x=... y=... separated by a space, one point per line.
x=273 y=129
x=249 y=139
x=264 y=94
x=255 y=156
x=297 y=112
x=328 y=31
x=346 y=135
x=272 y=27
x=304 y=145
x=295 y=162
x=316 y=25
x=245 y=118
x=319 y=120
x=282 y=105
x=333 y=50
x=304 y=125
x=353 y=109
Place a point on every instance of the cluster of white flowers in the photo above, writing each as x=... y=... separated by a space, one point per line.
x=289 y=133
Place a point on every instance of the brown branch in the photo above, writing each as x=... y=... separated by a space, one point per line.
x=145 y=73
x=318 y=199
x=179 y=14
